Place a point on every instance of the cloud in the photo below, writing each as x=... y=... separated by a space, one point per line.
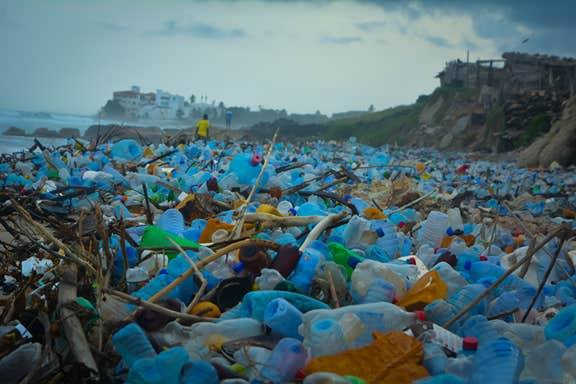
x=341 y=40
x=506 y=23
x=439 y=41
x=370 y=26
x=199 y=30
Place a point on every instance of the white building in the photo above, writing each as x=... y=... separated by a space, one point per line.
x=156 y=106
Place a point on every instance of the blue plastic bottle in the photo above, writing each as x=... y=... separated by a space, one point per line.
x=434 y=358
x=499 y=361
x=283 y=318
x=165 y=368
x=132 y=344
x=562 y=327
x=286 y=359
x=199 y=372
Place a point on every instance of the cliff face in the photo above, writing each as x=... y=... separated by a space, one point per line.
x=559 y=144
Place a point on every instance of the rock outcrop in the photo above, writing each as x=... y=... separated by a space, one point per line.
x=559 y=144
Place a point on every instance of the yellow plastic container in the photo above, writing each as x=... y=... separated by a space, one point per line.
x=428 y=288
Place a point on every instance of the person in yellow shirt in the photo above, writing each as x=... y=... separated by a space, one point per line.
x=202 y=128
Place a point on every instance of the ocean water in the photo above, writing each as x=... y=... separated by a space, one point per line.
x=30 y=121
x=11 y=144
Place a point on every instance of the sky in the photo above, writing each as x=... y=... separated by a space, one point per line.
x=332 y=56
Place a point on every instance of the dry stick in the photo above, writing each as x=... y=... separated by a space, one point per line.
x=546 y=275
x=42 y=231
x=267 y=220
x=149 y=217
x=413 y=202
x=208 y=259
x=123 y=281
x=237 y=231
x=106 y=244
x=155 y=307
x=204 y=282
x=333 y=290
x=72 y=327
x=319 y=228
x=502 y=278
x=526 y=266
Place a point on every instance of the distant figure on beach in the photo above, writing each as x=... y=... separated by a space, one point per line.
x=202 y=128
x=228 y=119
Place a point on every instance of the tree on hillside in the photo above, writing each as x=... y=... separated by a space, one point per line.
x=371 y=108
x=192 y=99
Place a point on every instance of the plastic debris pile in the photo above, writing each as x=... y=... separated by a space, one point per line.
x=274 y=263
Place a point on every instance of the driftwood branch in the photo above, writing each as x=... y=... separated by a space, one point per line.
x=71 y=325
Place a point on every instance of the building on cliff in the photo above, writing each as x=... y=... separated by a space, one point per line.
x=513 y=74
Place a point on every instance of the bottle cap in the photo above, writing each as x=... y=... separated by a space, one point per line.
x=449 y=231
x=255 y=159
x=483 y=258
x=401 y=224
x=420 y=315
x=293 y=211
x=470 y=343
x=467 y=265
x=353 y=261
x=380 y=232
x=238 y=267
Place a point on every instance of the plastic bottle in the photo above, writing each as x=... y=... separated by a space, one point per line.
x=461 y=365
x=306 y=269
x=379 y=290
x=171 y=221
x=345 y=258
x=132 y=344
x=127 y=149
x=434 y=228
x=466 y=295
x=435 y=359
x=268 y=279
x=286 y=359
x=325 y=378
x=382 y=317
x=20 y=362
x=499 y=361
x=440 y=312
x=355 y=230
x=440 y=379
x=283 y=318
x=453 y=280
x=562 y=327
x=198 y=372
x=286 y=260
x=568 y=361
x=544 y=362
x=326 y=338
x=455 y=223
x=164 y=368
x=368 y=270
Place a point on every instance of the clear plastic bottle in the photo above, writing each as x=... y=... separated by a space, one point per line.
x=544 y=362
x=286 y=359
x=381 y=317
x=326 y=338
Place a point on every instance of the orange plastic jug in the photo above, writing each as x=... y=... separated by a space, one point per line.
x=428 y=288
x=212 y=226
x=393 y=357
